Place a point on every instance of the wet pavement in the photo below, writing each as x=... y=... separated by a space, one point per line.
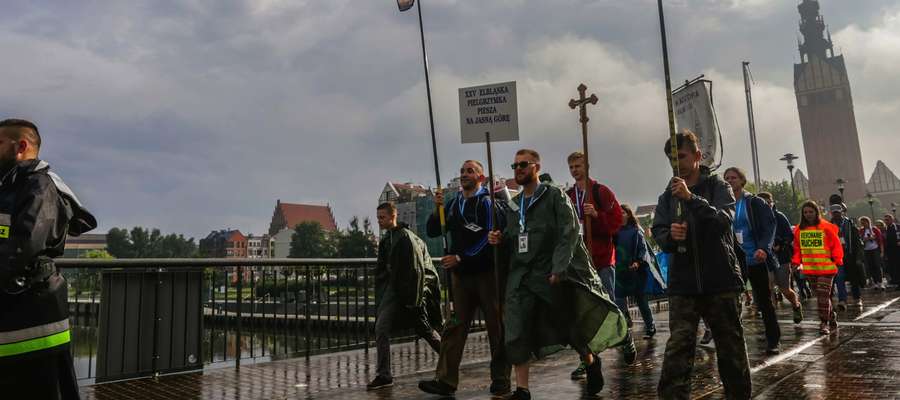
x=860 y=361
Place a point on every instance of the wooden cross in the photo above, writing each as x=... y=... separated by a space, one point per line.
x=582 y=103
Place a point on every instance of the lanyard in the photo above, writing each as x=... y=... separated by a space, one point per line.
x=461 y=205
x=522 y=209
x=579 y=203
x=739 y=207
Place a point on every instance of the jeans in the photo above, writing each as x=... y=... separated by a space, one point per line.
x=841 y=281
x=608 y=279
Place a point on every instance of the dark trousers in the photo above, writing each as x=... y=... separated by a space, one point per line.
x=759 y=282
x=874 y=266
x=48 y=376
x=722 y=314
x=892 y=265
x=472 y=291
x=387 y=314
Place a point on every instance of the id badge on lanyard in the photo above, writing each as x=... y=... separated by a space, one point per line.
x=523 y=233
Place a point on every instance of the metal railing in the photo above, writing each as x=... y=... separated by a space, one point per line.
x=253 y=309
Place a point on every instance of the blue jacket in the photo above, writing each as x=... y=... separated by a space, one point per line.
x=762 y=227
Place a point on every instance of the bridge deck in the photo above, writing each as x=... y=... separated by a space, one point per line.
x=861 y=361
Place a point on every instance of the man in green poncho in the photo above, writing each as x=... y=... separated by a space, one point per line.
x=553 y=294
x=407 y=291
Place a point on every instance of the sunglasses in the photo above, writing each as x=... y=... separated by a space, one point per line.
x=521 y=165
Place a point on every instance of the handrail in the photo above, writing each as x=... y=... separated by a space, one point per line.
x=209 y=262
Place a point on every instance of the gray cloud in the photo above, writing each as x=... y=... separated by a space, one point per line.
x=197 y=115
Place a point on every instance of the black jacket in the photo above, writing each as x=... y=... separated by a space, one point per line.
x=709 y=265
x=37 y=212
x=784 y=238
x=470 y=245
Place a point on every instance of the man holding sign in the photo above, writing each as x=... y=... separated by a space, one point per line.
x=553 y=295
x=471 y=266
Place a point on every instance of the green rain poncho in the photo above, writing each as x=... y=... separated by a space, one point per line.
x=539 y=317
x=405 y=272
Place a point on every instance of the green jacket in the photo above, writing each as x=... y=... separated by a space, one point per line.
x=554 y=246
x=405 y=273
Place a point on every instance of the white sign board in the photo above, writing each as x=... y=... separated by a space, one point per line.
x=693 y=110
x=489 y=108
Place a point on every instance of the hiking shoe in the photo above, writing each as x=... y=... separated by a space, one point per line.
x=649 y=333
x=580 y=372
x=379 y=382
x=842 y=306
x=707 y=337
x=798 y=315
x=594 y=377
x=499 y=388
x=436 y=387
x=629 y=351
x=520 y=394
x=773 y=350
x=833 y=322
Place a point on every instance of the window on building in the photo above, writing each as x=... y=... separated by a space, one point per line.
x=804 y=101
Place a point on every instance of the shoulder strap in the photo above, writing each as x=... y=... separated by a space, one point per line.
x=595 y=188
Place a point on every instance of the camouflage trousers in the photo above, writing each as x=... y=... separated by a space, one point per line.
x=722 y=314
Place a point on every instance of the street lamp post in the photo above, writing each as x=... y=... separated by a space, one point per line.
x=871 y=201
x=789 y=158
x=840 y=185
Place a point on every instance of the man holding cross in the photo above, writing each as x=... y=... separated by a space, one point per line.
x=553 y=294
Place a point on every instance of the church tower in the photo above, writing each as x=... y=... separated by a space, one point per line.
x=825 y=105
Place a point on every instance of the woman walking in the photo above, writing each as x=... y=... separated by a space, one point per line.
x=632 y=270
x=818 y=251
x=873 y=244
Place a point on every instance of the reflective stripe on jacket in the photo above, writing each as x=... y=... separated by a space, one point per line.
x=35 y=338
x=818 y=249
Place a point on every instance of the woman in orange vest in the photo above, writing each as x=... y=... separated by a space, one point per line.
x=818 y=249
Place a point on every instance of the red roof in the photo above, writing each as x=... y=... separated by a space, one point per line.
x=294 y=214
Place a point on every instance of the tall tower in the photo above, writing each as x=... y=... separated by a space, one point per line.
x=827 y=121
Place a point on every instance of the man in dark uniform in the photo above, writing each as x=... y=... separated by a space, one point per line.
x=892 y=249
x=37 y=211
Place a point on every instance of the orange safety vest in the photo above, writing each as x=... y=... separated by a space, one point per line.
x=818 y=249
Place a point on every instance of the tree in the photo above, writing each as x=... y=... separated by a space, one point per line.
x=356 y=243
x=311 y=241
x=783 y=195
x=97 y=254
x=143 y=243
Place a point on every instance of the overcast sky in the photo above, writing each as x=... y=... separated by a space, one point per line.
x=195 y=115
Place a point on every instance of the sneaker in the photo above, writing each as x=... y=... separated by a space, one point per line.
x=580 y=372
x=707 y=337
x=499 y=388
x=520 y=394
x=833 y=324
x=773 y=350
x=594 y=377
x=842 y=306
x=379 y=382
x=649 y=333
x=858 y=303
x=436 y=387
x=629 y=351
x=823 y=328
x=798 y=314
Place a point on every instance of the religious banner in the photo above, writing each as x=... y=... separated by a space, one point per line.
x=489 y=108
x=694 y=111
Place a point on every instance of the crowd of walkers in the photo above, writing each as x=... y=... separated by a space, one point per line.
x=551 y=269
